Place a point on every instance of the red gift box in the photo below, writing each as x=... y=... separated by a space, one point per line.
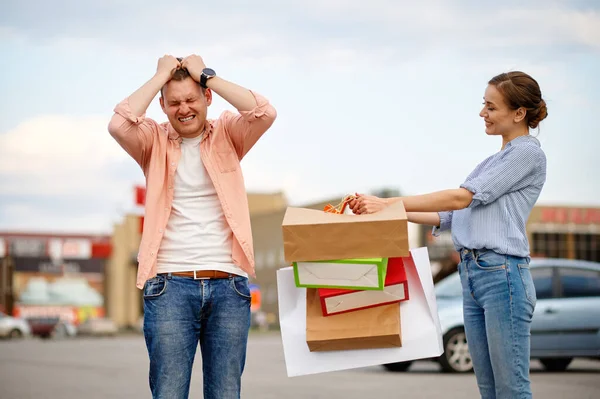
x=336 y=301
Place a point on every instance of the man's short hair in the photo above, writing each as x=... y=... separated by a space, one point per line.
x=179 y=75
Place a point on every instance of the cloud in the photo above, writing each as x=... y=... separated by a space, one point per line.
x=342 y=75
x=66 y=173
x=342 y=32
x=57 y=154
x=66 y=170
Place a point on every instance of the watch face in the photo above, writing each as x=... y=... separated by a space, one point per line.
x=209 y=72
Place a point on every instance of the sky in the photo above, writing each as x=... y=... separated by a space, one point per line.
x=384 y=95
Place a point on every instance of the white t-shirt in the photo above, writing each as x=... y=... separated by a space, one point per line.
x=197 y=236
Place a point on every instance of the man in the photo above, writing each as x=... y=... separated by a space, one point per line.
x=196 y=250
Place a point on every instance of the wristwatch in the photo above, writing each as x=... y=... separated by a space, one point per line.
x=206 y=74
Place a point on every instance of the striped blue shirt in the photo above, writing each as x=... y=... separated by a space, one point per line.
x=505 y=187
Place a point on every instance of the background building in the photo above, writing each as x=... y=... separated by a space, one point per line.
x=565 y=232
x=49 y=275
x=80 y=276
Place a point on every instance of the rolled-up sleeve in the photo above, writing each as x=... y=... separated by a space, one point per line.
x=246 y=127
x=124 y=110
x=445 y=223
x=135 y=134
x=263 y=109
x=517 y=168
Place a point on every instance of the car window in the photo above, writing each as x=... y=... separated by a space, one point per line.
x=449 y=287
x=542 y=280
x=577 y=283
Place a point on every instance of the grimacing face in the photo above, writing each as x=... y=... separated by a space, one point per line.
x=186 y=105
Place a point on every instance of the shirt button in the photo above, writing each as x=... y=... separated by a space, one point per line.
x=152 y=253
x=160 y=230
x=166 y=209
x=172 y=163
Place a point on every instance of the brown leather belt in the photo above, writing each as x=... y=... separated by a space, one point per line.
x=202 y=274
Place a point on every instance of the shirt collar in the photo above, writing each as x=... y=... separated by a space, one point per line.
x=523 y=139
x=173 y=135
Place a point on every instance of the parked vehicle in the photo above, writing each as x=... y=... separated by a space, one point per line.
x=565 y=325
x=43 y=327
x=99 y=326
x=13 y=327
x=64 y=329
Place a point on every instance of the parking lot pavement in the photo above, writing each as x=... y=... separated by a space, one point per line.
x=117 y=368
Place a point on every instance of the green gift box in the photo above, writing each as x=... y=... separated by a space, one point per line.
x=353 y=274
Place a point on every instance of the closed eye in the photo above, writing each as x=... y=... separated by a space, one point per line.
x=489 y=108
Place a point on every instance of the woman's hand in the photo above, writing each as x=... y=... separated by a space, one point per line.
x=364 y=204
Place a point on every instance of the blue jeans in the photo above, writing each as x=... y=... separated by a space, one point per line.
x=498 y=303
x=179 y=312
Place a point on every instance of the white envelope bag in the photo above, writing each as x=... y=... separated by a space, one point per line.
x=420 y=325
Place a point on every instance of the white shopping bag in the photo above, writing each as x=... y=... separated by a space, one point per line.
x=421 y=331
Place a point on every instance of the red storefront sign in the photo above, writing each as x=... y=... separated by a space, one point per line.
x=140 y=200
x=140 y=195
x=571 y=215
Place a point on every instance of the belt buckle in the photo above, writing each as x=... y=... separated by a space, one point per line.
x=200 y=278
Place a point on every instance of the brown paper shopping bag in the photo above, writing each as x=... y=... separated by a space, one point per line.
x=310 y=234
x=377 y=327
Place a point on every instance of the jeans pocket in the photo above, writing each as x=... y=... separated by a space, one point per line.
x=241 y=287
x=155 y=287
x=490 y=261
x=527 y=281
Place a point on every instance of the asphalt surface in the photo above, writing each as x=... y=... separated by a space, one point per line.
x=94 y=368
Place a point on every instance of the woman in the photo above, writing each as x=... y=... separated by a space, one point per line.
x=487 y=217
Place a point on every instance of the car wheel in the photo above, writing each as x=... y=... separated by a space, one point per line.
x=556 y=364
x=15 y=334
x=397 y=367
x=456 y=357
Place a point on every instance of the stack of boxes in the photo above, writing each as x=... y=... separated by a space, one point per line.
x=354 y=275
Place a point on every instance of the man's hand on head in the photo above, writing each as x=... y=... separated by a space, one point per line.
x=167 y=65
x=194 y=65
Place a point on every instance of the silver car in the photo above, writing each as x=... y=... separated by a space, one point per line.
x=565 y=325
x=13 y=327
